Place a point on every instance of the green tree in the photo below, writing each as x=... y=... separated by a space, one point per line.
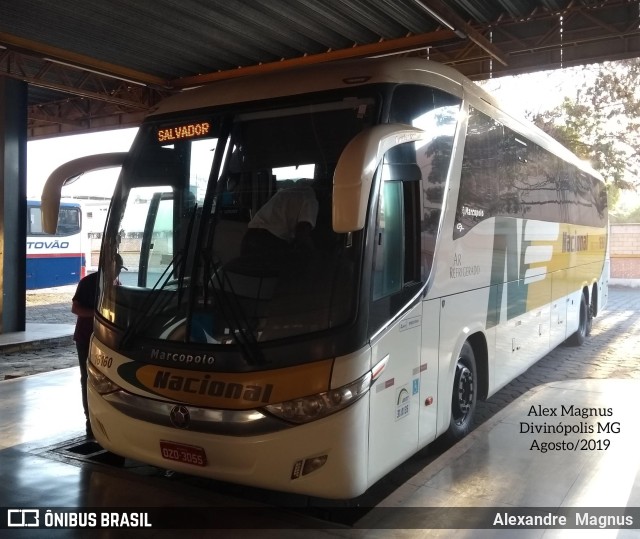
x=602 y=123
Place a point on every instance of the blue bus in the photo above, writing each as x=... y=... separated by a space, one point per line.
x=55 y=259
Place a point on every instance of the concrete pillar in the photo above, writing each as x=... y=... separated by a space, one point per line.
x=13 y=205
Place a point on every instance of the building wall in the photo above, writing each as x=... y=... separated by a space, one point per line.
x=624 y=241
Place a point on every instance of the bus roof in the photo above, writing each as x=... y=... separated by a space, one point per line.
x=34 y=202
x=319 y=77
x=349 y=73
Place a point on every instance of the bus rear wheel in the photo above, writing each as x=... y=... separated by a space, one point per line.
x=464 y=397
x=584 y=325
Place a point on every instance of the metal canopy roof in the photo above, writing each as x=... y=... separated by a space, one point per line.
x=101 y=64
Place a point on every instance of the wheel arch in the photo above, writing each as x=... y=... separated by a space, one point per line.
x=478 y=343
x=594 y=299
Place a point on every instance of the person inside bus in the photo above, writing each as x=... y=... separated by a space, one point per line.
x=83 y=305
x=284 y=224
x=118 y=266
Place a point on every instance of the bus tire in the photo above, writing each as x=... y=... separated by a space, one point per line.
x=584 y=325
x=591 y=312
x=464 y=396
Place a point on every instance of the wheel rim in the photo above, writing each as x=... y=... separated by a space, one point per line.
x=465 y=392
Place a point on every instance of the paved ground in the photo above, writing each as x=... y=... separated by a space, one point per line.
x=612 y=351
x=47 y=306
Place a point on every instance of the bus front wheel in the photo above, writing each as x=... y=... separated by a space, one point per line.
x=465 y=394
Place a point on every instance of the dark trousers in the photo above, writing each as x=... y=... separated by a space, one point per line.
x=269 y=254
x=259 y=241
x=83 y=354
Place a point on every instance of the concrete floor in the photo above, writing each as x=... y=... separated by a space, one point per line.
x=500 y=467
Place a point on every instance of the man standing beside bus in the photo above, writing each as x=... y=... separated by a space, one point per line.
x=83 y=305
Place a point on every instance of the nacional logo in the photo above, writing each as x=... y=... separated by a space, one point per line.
x=198 y=388
x=226 y=390
x=206 y=385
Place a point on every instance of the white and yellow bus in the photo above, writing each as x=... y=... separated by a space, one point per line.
x=454 y=246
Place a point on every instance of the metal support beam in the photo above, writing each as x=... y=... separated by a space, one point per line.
x=606 y=31
x=13 y=204
x=86 y=101
x=391 y=46
x=449 y=18
x=75 y=60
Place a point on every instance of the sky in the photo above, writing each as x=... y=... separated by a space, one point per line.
x=534 y=93
x=45 y=155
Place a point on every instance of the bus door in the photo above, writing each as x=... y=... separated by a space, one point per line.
x=404 y=214
x=395 y=316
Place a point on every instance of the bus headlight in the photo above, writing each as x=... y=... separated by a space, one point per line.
x=322 y=404
x=99 y=381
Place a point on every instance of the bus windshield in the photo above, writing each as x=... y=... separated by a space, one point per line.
x=223 y=221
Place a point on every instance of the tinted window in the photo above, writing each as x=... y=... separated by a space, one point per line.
x=505 y=174
x=388 y=265
x=69 y=221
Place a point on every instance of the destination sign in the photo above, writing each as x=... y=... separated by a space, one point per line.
x=184 y=131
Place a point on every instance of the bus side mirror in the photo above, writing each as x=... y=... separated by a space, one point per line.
x=356 y=167
x=66 y=174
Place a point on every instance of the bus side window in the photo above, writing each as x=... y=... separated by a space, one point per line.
x=388 y=264
x=68 y=221
x=34 y=225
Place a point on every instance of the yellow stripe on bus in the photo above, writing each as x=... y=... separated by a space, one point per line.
x=236 y=391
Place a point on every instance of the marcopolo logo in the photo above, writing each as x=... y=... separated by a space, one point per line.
x=181 y=357
x=472 y=212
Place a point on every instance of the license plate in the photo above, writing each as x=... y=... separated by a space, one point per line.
x=189 y=454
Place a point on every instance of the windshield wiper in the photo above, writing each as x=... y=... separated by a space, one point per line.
x=232 y=311
x=151 y=306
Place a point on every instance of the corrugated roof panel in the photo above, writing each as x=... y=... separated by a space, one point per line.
x=372 y=16
x=163 y=40
x=172 y=38
x=410 y=15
